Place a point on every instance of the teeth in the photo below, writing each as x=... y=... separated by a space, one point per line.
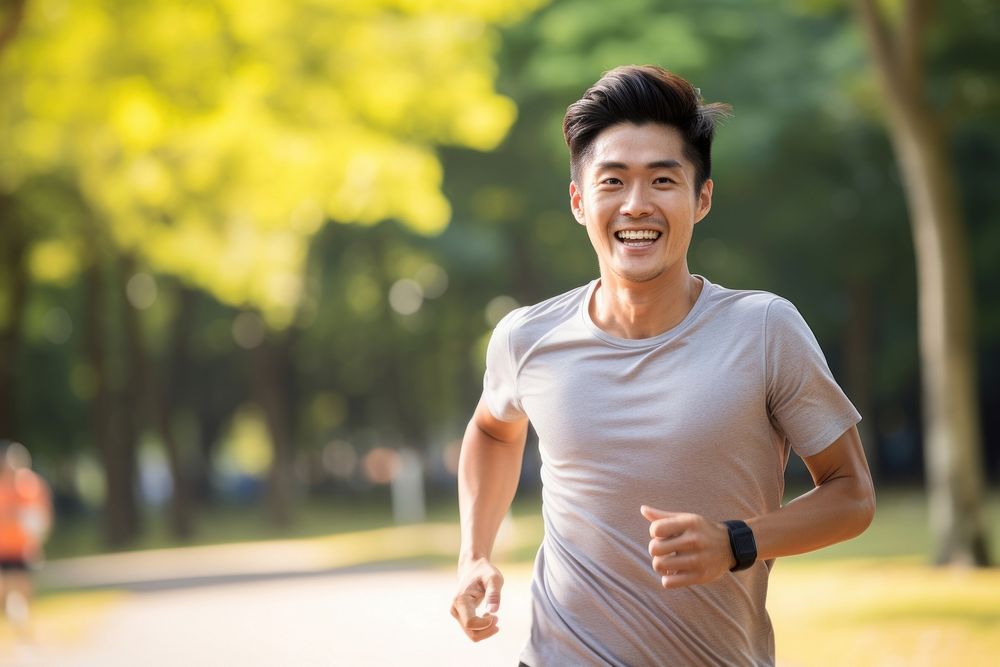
x=638 y=235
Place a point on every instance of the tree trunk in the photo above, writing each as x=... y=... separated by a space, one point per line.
x=120 y=511
x=952 y=440
x=210 y=423
x=164 y=406
x=150 y=397
x=271 y=390
x=12 y=262
x=213 y=394
x=953 y=457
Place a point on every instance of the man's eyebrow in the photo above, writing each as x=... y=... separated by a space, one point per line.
x=657 y=164
x=621 y=166
x=664 y=164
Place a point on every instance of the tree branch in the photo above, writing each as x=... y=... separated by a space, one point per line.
x=916 y=14
x=883 y=48
x=9 y=28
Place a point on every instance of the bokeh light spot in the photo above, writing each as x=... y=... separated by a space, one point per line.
x=433 y=280
x=141 y=290
x=57 y=326
x=340 y=459
x=248 y=330
x=381 y=465
x=406 y=296
x=498 y=307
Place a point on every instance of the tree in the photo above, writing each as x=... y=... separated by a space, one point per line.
x=211 y=141
x=15 y=282
x=953 y=457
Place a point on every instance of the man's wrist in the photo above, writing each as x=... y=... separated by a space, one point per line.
x=742 y=544
x=466 y=557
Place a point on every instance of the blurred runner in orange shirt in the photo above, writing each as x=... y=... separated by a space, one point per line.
x=25 y=519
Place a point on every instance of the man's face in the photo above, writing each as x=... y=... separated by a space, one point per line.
x=637 y=198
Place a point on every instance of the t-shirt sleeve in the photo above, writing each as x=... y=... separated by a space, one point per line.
x=804 y=400
x=500 y=379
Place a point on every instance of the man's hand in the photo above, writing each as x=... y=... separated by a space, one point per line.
x=687 y=549
x=478 y=580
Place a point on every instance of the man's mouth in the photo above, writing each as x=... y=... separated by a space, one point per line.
x=636 y=238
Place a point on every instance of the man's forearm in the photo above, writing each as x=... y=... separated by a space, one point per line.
x=840 y=507
x=488 y=473
x=830 y=513
x=688 y=549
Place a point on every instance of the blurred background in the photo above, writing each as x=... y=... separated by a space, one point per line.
x=251 y=254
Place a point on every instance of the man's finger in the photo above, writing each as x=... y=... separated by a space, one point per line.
x=680 y=580
x=493 y=585
x=480 y=623
x=681 y=541
x=464 y=606
x=659 y=546
x=652 y=514
x=664 y=523
x=674 y=564
x=669 y=527
x=464 y=611
x=485 y=633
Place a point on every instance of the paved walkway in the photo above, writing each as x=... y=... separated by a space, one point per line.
x=380 y=617
x=296 y=602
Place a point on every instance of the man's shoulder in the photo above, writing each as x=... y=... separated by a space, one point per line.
x=528 y=324
x=743 y=301
x=748 y=311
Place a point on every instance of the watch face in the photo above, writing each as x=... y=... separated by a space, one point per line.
x=744 y=542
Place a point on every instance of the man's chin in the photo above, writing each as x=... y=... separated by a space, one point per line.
x=638 y=276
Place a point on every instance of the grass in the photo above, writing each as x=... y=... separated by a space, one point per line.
x=875 y=600
x=900 y=528
x=882 y=612
x=80 y=535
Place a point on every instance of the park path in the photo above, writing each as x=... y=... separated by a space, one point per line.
x=363 y=616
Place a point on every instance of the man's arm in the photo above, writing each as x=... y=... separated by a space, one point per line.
x=488 y=471
x=690 y=549
x=840 y=506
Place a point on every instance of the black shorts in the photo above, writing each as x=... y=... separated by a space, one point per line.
x=14 y=565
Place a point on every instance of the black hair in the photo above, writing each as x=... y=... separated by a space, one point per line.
x=643 y=94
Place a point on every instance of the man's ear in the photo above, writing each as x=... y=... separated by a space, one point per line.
x=576 y=203
x=704 y=201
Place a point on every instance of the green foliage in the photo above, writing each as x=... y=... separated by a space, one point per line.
x=214 y=139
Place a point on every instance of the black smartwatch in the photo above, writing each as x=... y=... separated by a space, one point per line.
x=743 y=544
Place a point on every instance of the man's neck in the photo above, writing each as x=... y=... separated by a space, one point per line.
x=643 y=310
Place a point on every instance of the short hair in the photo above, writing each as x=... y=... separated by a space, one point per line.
x=643 y=94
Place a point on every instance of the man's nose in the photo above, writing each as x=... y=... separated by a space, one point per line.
x=636 y=204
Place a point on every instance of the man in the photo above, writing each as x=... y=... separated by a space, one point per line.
x=665 y=407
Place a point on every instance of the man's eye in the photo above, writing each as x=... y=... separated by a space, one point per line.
x=663 y=179
x=612 y=181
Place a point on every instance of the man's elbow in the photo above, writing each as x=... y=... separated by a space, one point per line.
x=863 y=505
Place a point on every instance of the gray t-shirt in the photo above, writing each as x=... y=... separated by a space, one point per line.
x=698 y=419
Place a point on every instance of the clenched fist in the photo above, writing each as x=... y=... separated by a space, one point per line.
x=478 y=580
x=687 y=549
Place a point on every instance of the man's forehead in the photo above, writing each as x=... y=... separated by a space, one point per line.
x=630 y=145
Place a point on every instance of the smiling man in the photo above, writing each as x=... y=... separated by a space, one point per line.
x=666 y=408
